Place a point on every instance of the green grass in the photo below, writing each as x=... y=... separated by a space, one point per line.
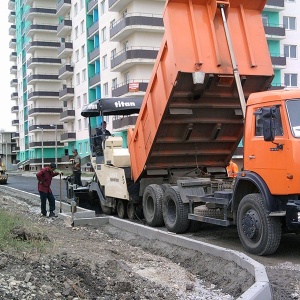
x=32 y=238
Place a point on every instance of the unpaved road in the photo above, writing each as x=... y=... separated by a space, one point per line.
x=106 y=263
x=283 y=268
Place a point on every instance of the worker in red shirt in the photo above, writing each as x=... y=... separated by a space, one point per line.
x=232 y=169
x=44 y=177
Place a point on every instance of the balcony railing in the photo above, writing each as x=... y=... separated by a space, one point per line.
x=132 y=86
x=95 y=80
x=274 y=30
x=91 y=4
x=94 y=54
x=42 y=60
x=64 y=27
x=65 y=71
x=67 y=115
x=93 y=29
x=42 y=77
x=62 y=7
x=44 y=110
x=42 y=94
x=65 y=49
x=132 y=53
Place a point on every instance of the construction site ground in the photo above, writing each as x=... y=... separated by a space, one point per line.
x=109 y=263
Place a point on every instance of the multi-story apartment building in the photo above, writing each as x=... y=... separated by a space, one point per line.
x=67 y=53
x=8 y=149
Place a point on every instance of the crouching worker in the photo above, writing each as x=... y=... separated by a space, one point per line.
x=44 y=177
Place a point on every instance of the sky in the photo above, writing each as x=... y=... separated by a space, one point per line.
x=5 y=90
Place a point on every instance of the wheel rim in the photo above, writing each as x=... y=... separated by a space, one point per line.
x=150 y=206
x=251 y=225
x=171 y=209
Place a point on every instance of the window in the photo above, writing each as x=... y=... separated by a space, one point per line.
x=78 y=102
x=86 y=123
x=80 y=144
x=112 y=23
x=76 y=32
x=86 y=147
x=77 y=55
x=83 y=50
x=84 y=99
x=114 y=83
x=78 y=78
x=103 y=34
x=75 y=9
x=82 y=29
x=289 y=23
x=79 y=126
x=105 y=89
x=84 y=75
x=277 y=122
x=102 y=7
x=290 y=51
x=81 y=3
x=290 y=80
x=125 y=45
x=126 y=77
x=113 y=53
x=104 y=62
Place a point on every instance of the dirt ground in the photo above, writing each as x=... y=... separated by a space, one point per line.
x=106 y=263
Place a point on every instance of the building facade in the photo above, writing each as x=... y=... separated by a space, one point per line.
x=67 y=53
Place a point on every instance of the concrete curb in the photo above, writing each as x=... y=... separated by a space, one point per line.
x=261 y=289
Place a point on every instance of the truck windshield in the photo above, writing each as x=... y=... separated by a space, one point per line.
x=293 y=109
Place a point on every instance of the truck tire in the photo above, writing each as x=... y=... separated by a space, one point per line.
x=131 y=210
x=121 y=209
x=152 y=205
x=175 y=212
x=259 y=233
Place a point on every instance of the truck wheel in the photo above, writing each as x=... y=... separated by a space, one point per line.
x=175 y=212
x=131 y=211
x=106 y=209
x=152 y=205
x=121 y=209
x=259 y=233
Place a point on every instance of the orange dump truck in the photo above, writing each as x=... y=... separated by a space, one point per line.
x=209 y=88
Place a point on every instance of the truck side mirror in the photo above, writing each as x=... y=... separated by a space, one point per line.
x=268 y=115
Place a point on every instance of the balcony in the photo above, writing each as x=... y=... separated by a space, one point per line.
x=34 y=61
x=15 y=135
x=33 y=95
x=117 y=5
x=34 y=78
x=13 y=70
x=68 y=137
x=44 y=111
x=277 y=86
x=42 y=28
x=12 y=17
x=95 y=80
x=132 y=23
x=132 y=86
x=274 y=32
x=65 y=72
x=35 y=45
x=12 y=30
x=133 y=56
x=37 y=12
x=15 y=109
x=278 y=62
x=91 y=5
x=46 y=144
x=12 y=44
x=45 y=127
x=94 y=55
x=62 y=7
x=93 y=29
x=11 y=4
x=13 y=56
x=66 y=93
x=14 y=82
x=274 y=5
x=15 y=122
x=65 y=50
x=14 y=96
x=15 y=149
x=124 y=123
x=64 y=28
x=67 y=115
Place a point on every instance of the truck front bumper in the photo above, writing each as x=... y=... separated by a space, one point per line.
x=293 y=215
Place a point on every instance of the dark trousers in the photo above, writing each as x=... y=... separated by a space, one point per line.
x=77 y=177
x=51 y=200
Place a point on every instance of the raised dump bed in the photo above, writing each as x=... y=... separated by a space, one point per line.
x=191 y=115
